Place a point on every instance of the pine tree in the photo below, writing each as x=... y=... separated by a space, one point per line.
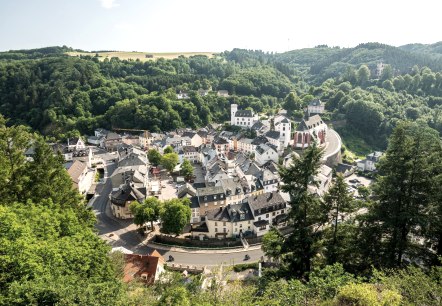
x=337 y=201
x=305 y=210
x=404 y=189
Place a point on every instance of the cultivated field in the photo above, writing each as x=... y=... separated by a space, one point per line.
x=142 y=56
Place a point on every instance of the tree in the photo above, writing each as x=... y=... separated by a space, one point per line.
x=175 y=216
x=187 y=169
x=305 y=210
x=168 y=150
x=363 y=75
x=292 y=102
x=337 y=201
x=169 y=161
x=404 y=188
x=175 y=296
x=154 y=157
x=272 y=243
x=148 y=211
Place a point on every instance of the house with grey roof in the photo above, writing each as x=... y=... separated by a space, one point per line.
x=370 y=161
x=316 y=107
x=242 y=118
x=264 y=153
x=121 y=198
x=267 y=209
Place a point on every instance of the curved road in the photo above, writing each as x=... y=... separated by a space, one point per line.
x=123 y=233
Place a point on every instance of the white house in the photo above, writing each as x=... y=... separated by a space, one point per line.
x=191 y=153
x=267 y=209
x=268 y=180
x=243 y=118
x=369 y=163
x=274 y=138
x=195 y=138
x=284 y=127
x=81 y=176
x=316 y=107
x=264 y=153
x=76 y=144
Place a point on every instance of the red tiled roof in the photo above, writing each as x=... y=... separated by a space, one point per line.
x=142 y=266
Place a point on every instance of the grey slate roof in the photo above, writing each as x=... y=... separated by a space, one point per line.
x=315 y=102
x=259 y=140
x=312 y=122
x=261 y=203
x=126 y=193
x=273 y=134
x=231 y=213
x=208 y=194
x=244 y=113
x=220 y=140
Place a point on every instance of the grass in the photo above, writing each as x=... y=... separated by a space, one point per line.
x=140 y=55
x=356 y=147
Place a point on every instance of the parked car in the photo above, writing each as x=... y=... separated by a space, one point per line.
x=354 y=181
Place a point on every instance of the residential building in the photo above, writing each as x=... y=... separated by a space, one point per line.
x=223 y=93
x=112 y=141
x=144 y=268
x=316 y=107
x=82 y=177
x=243 y=118
x=264 y=153
x=231 y=221
x=146 y=139
x=267 y=209
x=273 y=138
x=123 y=197
x=207 y=198
x=246 y=145
x=191 y=154
x=221 y=145
x=269 y=180
x=195 y=138
x=369 y=163
x=75 y=144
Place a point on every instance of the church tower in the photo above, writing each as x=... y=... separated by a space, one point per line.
x=233 y=109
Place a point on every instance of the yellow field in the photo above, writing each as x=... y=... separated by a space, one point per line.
x=140 y=55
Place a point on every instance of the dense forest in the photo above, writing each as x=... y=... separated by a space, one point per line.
x=60 y=95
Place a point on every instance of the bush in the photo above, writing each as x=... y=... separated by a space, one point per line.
x=245 y=266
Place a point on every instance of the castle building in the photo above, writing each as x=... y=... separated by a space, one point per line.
x=243 y=118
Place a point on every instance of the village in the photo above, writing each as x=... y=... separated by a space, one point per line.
x=235 y=190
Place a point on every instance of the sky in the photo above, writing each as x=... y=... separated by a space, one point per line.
x=214 y=26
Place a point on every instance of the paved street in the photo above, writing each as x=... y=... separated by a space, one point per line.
x=123 y=232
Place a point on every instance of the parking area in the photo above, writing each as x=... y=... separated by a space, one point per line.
x=355 y=181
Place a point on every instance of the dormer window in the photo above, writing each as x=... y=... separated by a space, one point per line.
x=205 y=198
x=214 y=197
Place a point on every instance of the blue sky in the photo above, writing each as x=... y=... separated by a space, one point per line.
x=198 y=25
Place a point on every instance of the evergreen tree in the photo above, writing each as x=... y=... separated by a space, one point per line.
x=337 y=201
x=404 y=189
x=305 y=210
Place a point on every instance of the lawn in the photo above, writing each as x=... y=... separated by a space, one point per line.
x=141 y=55
x=354 y=143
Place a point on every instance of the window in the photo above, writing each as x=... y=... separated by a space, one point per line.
x=259 y=218
x=240 y=226
x=267 y=215
x=214 y=197
x=263 y=227
x=205 y=198
x=216 y=223
x=224 y=230
x=249 y=223
x=216 y=230
x=248 y=227
x=224 y=223
x=273 y=213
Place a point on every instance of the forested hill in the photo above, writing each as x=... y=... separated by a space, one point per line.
x=60 y=95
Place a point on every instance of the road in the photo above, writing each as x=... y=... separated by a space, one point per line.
x=123 y=233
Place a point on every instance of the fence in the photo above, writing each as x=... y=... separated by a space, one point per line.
x=211 y=243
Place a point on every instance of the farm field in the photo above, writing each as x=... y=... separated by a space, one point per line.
x=142 y=56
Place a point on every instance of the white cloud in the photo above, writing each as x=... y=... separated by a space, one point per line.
x=108 y=4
